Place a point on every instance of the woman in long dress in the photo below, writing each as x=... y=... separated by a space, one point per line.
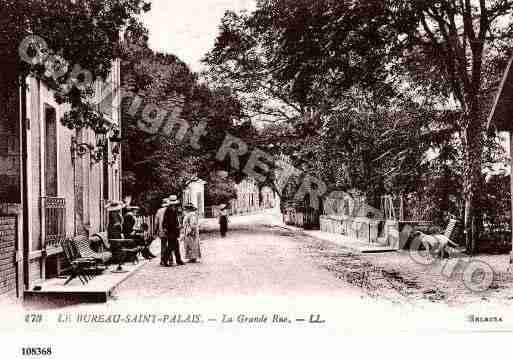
x=191 y=233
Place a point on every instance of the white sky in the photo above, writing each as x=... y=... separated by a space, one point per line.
x=188 y=29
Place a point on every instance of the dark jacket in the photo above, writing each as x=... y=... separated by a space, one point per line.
x=172 y=222
x=115 y=230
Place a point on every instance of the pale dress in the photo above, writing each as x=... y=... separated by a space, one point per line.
x=191 y=236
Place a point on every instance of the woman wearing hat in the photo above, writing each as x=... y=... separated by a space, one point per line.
x=223 y=220
x=115 y=225
x=191 y=233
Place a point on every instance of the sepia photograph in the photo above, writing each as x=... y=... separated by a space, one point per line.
x=175 y=175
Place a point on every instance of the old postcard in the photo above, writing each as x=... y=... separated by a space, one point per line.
x=183 y=177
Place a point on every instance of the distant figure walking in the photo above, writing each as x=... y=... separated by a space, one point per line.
x=191 y=233
x=223 y=220
x=172 y=224
x=160 y=231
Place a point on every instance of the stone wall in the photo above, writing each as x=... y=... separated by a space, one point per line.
x=8 y=231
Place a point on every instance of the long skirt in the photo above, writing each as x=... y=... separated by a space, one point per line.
x=192 y=246
x=223 y=225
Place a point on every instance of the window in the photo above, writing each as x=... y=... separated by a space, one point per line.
x=50 y=151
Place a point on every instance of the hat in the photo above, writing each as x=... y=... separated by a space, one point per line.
x=132 y=208
x=189 y=207
x=173 y=199
x=114 y=206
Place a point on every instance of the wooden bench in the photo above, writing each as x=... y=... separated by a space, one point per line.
x=81 y=268
x=438 y=243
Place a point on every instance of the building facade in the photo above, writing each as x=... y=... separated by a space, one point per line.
x=195 y=194
x=55 y=186
x=248 y=197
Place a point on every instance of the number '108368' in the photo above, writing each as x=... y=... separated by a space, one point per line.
x=35 y=351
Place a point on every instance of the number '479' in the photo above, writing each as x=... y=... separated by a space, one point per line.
x=33 y=318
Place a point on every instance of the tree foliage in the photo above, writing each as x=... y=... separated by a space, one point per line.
x=291 y=56
x=82 y=33
x=220 y=189
x=424 y=67
x=158 y=164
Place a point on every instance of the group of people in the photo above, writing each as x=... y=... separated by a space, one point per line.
x=170 y=222
x=123 y=226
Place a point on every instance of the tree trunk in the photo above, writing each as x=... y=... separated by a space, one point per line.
x=473 y=177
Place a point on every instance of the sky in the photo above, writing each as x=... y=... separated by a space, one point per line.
x=188 y=28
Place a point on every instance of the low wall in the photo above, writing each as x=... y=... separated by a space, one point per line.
x=214 y=211
x=292 y=218
x=355 y=228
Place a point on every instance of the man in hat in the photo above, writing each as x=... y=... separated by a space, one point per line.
x=172 y=224
x=160 y=231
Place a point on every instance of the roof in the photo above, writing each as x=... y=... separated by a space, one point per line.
x=501 y=114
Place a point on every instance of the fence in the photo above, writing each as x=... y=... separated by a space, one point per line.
x=55 y=220
x=213 y=211
x=149 y=220
x=300 y=217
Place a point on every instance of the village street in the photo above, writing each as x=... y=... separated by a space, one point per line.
x=263 y=268
x=254 y=259
x=260 y=257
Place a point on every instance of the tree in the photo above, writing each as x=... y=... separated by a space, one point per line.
x=456 y=49
x=295 y=63
x=220 y=189
x=158 y=163
x=294 y=60
x=291 y=57
x=71 y=29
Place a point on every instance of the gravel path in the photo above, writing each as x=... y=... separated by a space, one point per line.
x=259 y=258
x=251 y=260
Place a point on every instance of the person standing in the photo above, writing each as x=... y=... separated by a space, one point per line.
x=191 y=233
x=223 y=220
x=160 y=231
x=115 y=230
x=172 y=227
x=115 y=225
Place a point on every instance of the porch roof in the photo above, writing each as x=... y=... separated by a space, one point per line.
x=501 y=114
